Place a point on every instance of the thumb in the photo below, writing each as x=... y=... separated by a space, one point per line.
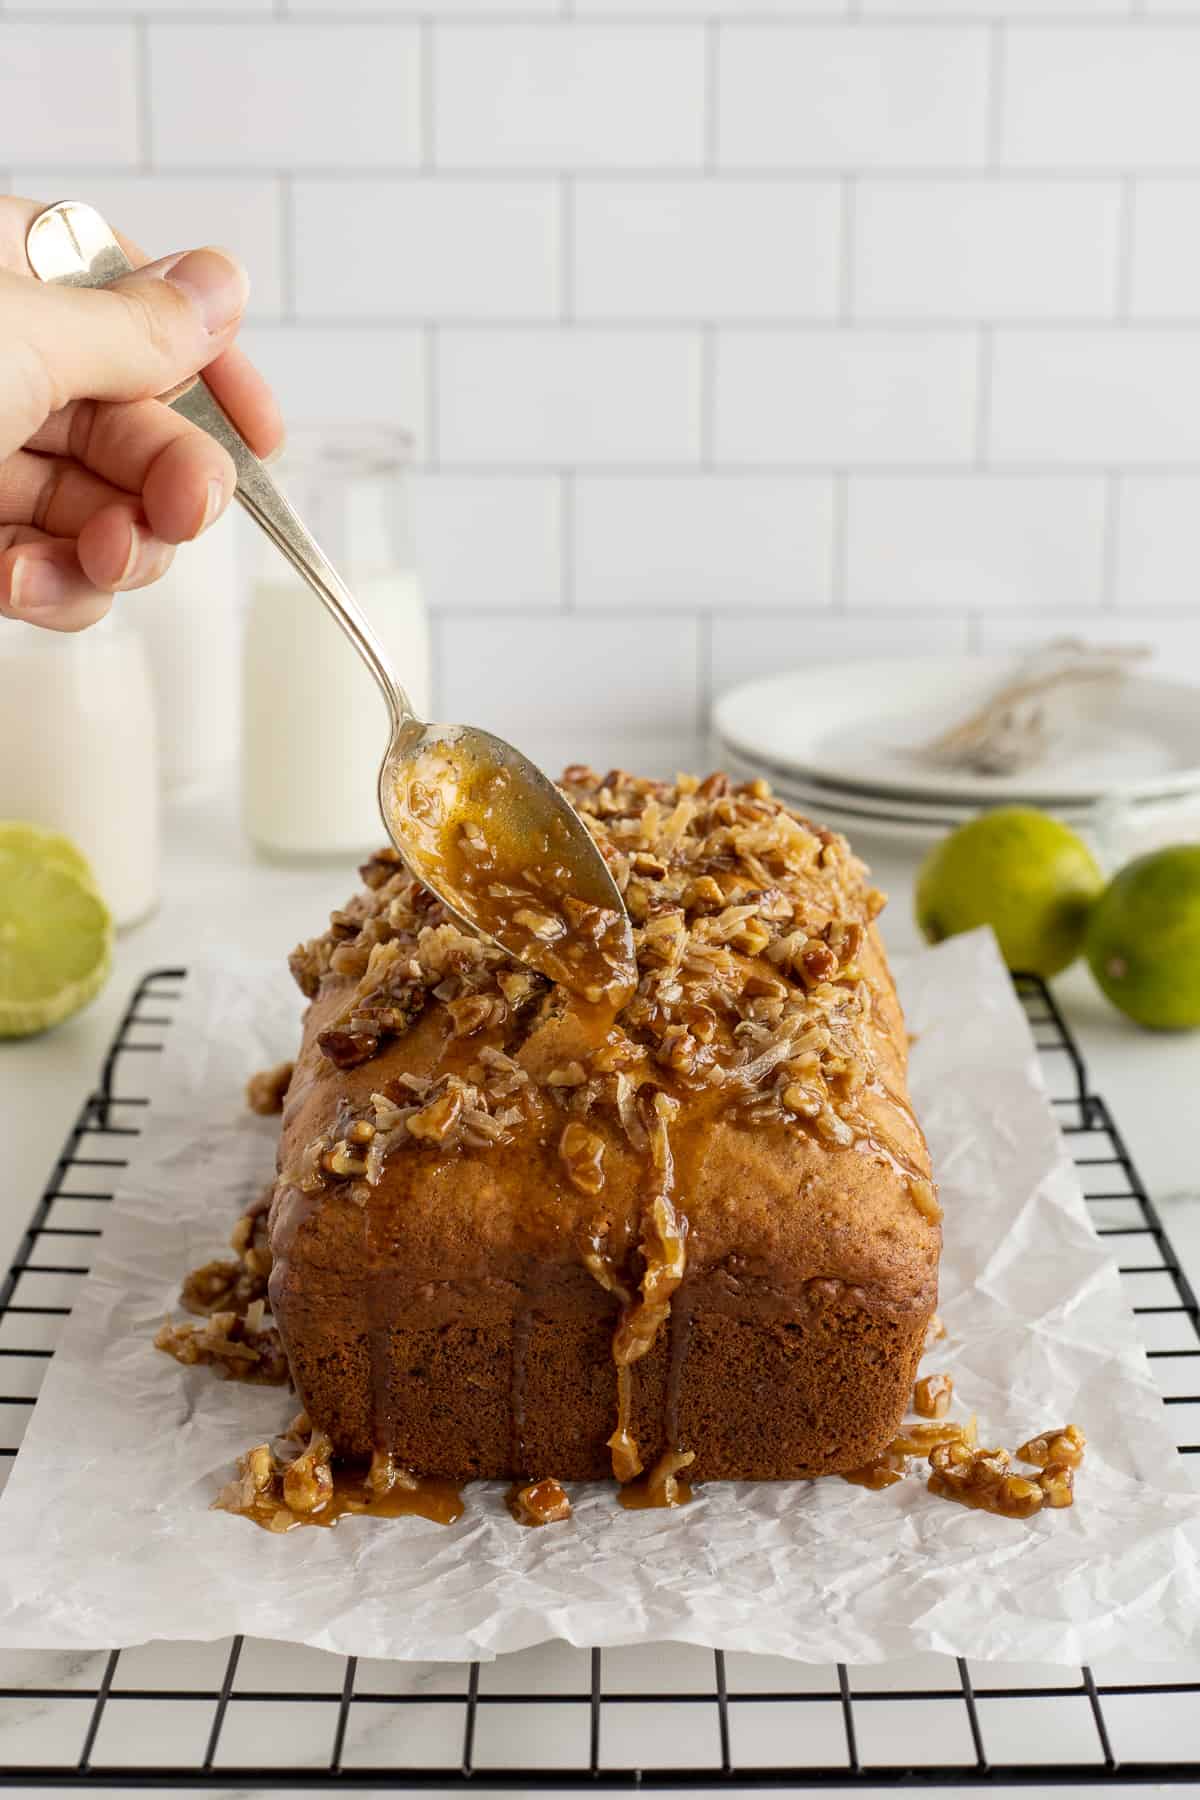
x=140 y=336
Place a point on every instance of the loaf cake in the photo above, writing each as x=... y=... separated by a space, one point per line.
x=511 y=1237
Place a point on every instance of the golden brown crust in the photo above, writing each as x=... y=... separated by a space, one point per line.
x=463 y=1303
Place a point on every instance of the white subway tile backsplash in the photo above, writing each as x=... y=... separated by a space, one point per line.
x=165 y=213
x=68 y=93
x=861 y=397
x=852 y=96
x=997 y=9
x=491 y=541
x=978 y=542
x=568 y=95
x=1158 y=543
x=708 y=9
x=430 y=8
x=1096 y=397
x=732 y=333
x=576 y=395
x=715 y=249
x=344 y=377
x=747 y=646
x=418 y=247
x=1165 y=279
x=1101 y=97
x=280 y=95
x=703 y=541
x=1174 y=642
x=264 y=7
x=985 y=249
x=577 y=681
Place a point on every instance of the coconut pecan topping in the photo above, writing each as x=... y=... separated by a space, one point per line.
x=749 y=925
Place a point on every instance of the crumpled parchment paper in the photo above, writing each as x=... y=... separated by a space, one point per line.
x=106 y=1536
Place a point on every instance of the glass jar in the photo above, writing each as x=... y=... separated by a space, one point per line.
x=190 y=622
x=314 y=729
x=78 y=750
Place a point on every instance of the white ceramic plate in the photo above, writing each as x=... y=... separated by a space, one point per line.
x=855 y=727
x=844 y=812
x=816 y=791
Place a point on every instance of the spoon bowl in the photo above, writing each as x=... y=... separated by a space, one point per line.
x=500 y=845
x=472 y=817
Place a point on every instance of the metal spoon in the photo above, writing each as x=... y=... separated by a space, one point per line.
x=473 y=818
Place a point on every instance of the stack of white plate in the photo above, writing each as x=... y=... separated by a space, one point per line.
x=841 y=741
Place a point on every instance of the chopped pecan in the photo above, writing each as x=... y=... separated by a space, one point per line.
x=229 y=1345
x=582 y=1153
x=1063 y=1444
x=265 y=1090
x=982 y=1479
x=222 y=1286
x=932 y=1395
x=542 y=1502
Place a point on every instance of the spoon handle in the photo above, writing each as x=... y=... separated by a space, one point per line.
x=71 y=243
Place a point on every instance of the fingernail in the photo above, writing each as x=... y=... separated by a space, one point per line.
x=274 y=455
x=213 y=502
x=216 y=285
x=135 y=545
x=35 y=583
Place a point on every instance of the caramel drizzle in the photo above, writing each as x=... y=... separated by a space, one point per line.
x=663 y=1241
x=521 y=1333
x=422 y=1497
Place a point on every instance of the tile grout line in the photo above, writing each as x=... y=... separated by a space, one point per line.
x=781 y=175
x=1111 y=546
x=704 y=672
x=566 y=249
x=429 y=347
x=287 y=249
x=712 y=96
x=428 y=158
x=996 y=98
x=983 y=394
x=708 y=396
x=470 y=467
x=145 y=109
x=755 y=19
x=815 y=326
x=762 y=614
x=1126 y=240
x=839 y=573
x=846 y=250
x=566 y=547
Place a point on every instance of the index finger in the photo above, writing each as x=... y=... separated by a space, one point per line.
x=236 y=383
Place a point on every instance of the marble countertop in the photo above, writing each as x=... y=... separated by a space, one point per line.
x=215 y=893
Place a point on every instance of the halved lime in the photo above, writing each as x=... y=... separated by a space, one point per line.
x=50 y=846
x=55 y=941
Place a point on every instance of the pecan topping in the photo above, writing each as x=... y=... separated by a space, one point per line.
x=539 y=1503
x=932 y=1396
x=265 y=1091
x=1063 y=1444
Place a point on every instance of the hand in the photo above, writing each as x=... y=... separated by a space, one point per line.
x=99 y=480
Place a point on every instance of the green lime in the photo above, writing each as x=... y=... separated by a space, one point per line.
x=55 y=942
x=49 y=846
x=1023 y=873
x=1143 y=939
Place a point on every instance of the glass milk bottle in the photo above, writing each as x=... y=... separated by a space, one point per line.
x=78 y=750
x=189 y=621
x=314 y=729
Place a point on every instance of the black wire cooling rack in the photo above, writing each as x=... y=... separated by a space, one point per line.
x=247 y=1714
